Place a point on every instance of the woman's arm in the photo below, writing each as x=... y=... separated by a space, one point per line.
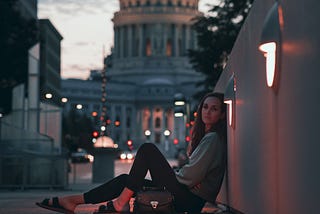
x=202 y=159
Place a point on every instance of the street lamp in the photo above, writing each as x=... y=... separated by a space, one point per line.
x=181 y=109
x=48 y=95
x=166 y=133
x=79 y=106
x=64 y=99
x=147 y=133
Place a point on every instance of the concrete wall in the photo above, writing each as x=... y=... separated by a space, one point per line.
x=274 y=146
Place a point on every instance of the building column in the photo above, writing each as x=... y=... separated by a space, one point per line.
x=123 y=123
x=141 y=40
x=130 y=43
x=164 y=124
x=187 y=37
x=176 y=40
x=121 y=47
x=116 y=42
x=151 y=124
x=165 y=38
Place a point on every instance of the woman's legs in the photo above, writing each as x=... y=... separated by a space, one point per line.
x=107 y=191
x=122 y=187
x=102 y=193
x=150 y=158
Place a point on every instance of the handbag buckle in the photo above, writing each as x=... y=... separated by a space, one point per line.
x=154 y=204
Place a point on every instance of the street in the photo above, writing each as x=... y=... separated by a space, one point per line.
x=82 y=172
x=23 y=201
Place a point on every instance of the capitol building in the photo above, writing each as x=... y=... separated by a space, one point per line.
x=148 y=66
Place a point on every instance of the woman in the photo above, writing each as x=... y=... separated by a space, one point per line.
x=195 y=183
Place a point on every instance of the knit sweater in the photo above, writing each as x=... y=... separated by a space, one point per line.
x=205 y=171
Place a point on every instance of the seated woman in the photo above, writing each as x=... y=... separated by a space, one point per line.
x=195 y=183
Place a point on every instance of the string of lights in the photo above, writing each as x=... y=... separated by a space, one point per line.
x=103 y=115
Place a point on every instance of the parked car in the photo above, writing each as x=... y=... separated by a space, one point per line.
x=81 y=156
x=127 y=155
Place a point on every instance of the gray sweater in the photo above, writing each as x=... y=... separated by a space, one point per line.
x=205 y=171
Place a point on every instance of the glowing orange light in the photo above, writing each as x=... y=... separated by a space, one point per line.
x=95 y=134
x=195 y=114
x=229 y=103
x=117 y=123
x=187 y=138
x=269 y=50
x=94 y=114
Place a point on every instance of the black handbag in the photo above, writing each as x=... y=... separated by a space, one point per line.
x=153 y=200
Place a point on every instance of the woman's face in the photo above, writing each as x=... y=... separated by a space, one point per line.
x=211 y=112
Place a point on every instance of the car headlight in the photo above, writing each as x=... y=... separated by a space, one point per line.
x=123 y=156
x=129 y=156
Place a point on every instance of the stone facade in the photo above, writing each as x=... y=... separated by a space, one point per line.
x=147 y=67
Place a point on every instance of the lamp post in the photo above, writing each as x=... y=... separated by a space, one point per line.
x=166 y=133
x=181 y=110
x=48 y=96
x=147 y=133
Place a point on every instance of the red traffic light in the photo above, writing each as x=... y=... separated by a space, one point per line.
x=188 y=138
x=175 y=141
x=95 y=134
x=129 y=142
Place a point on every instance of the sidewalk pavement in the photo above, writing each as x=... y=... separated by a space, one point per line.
x=23 y=201
x=19 y=201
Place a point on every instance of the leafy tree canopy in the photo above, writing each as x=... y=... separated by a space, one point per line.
x=216 y=34
x=77 y=130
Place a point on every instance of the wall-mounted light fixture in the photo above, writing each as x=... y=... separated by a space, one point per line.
x=270 y=43
x=229 y=99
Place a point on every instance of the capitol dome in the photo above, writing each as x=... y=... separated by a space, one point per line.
x=148 y=66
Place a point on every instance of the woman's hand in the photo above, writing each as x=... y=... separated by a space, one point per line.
x=197 y=187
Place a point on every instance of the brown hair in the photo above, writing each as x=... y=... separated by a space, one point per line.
x=198 y=130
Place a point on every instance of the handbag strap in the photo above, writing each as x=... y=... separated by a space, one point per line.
x=146 y=188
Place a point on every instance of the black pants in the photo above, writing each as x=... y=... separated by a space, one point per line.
x=148 y=157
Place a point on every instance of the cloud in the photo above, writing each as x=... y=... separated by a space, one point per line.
x=82 y=43
x=77 y=7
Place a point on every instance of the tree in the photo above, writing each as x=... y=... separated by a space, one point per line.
x=18 y=35
x=216 y=34
x=77 y=130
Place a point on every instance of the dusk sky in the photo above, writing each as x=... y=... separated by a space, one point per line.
x=87 y=31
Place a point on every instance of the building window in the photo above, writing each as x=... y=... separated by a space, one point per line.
x=157 y=137
x=158 y=122
x=128 y=122
x=148 y=47
x=169 y=48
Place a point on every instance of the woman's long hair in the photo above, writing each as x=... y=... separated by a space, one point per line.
x=198 y=130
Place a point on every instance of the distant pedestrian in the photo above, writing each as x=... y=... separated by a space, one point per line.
x=195 y=183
